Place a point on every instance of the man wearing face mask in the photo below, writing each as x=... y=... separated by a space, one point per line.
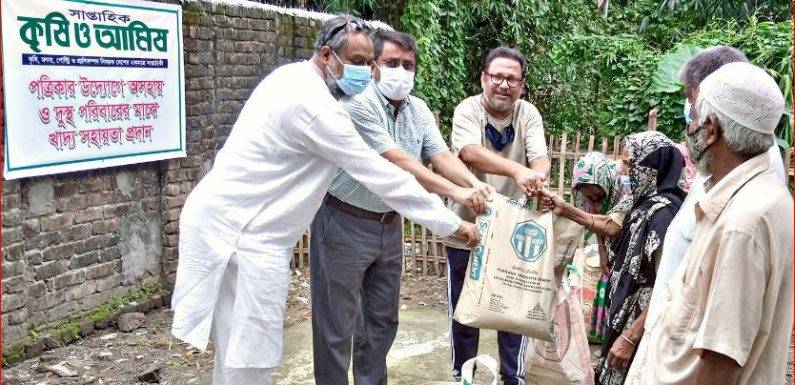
x=681 y=231
x=501 y=138
x=239 y=225
x=357 y=243
x=726 y=316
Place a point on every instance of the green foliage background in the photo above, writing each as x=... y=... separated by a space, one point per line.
x=588 y=71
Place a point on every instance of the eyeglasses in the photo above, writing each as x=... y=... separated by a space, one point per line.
x=357 y=25
x=395 y=63
x=498 y=79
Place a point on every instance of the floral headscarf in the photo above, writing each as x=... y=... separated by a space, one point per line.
x=595 y=169
x=657 y=178
x=646 y=179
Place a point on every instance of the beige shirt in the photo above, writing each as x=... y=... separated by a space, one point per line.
x=732 y=293
x=469 y=123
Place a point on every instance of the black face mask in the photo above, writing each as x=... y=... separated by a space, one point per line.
x=499 y=141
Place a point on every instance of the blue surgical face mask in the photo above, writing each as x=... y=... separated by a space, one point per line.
x=355 y=78
x=686 y=111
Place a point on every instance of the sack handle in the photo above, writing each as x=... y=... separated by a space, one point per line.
x=468 y=369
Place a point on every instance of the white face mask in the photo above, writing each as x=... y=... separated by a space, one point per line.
x=395 y=83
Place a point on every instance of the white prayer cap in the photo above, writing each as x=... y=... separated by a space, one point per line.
x=746 y=94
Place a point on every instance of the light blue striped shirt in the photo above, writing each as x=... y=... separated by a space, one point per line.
x=413 y=131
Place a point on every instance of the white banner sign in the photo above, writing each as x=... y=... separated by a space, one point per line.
x=90 y=84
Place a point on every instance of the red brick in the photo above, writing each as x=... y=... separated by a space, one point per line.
x=73 y=204
x=56 y=222
x=172 y=228
x=170 y=253
x=89 y=215
x=101 y=198
x=171 y=164
x=119 y=210
x=63 y=251
x=12 y=235
x=172 y=215
x=110 y=254
x=76 y=233
x=176 y=201
x=94 y=184
x=171 y=189
x=14 y=284
x=96 y=242
x=175 y=176
x=11 y=201
x=66 y=190
x=151 y=204
x=105 y=226
x=102 y=270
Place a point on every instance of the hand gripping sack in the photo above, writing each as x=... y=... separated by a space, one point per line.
x=512 y=278
x=567 y=360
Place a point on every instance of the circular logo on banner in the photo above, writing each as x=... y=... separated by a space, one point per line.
x=529 y=240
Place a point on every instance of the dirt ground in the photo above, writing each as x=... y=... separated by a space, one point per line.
x=111 y=357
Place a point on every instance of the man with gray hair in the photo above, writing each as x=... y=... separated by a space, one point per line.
x=239 y=225
x=702 y=65
x=727 y=313
x=681 y=230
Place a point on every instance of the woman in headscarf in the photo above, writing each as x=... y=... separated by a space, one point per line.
x=597 y=187
x=657 y=178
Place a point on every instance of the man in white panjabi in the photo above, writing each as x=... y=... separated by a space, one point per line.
x=239 y=225
x=727 y=313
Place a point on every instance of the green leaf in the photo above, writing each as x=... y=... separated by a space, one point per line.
x=666 y=78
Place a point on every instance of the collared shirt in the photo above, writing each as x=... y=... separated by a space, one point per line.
x=469 y=127
x=265 y=186
x=413 y=131
x=677 y=241
x=732 y=293
x=680 y=233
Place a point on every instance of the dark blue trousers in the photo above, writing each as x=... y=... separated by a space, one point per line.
x=464 y=339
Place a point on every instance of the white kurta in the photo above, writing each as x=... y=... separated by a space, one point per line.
x=260 y=196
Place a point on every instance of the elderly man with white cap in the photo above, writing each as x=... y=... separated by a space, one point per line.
x=682 y=229
x=727 y=314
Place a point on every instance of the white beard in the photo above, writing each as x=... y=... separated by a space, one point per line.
x=703 y=166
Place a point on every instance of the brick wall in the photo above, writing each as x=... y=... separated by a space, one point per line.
x=71 y=241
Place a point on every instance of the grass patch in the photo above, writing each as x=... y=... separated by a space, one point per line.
x=68 y=329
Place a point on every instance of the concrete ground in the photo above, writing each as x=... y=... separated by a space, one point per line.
x=420 y=353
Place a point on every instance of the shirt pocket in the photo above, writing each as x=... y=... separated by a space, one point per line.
x=408 y=138
x=681 y=313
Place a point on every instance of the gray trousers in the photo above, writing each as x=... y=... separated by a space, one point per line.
x=355 y=281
